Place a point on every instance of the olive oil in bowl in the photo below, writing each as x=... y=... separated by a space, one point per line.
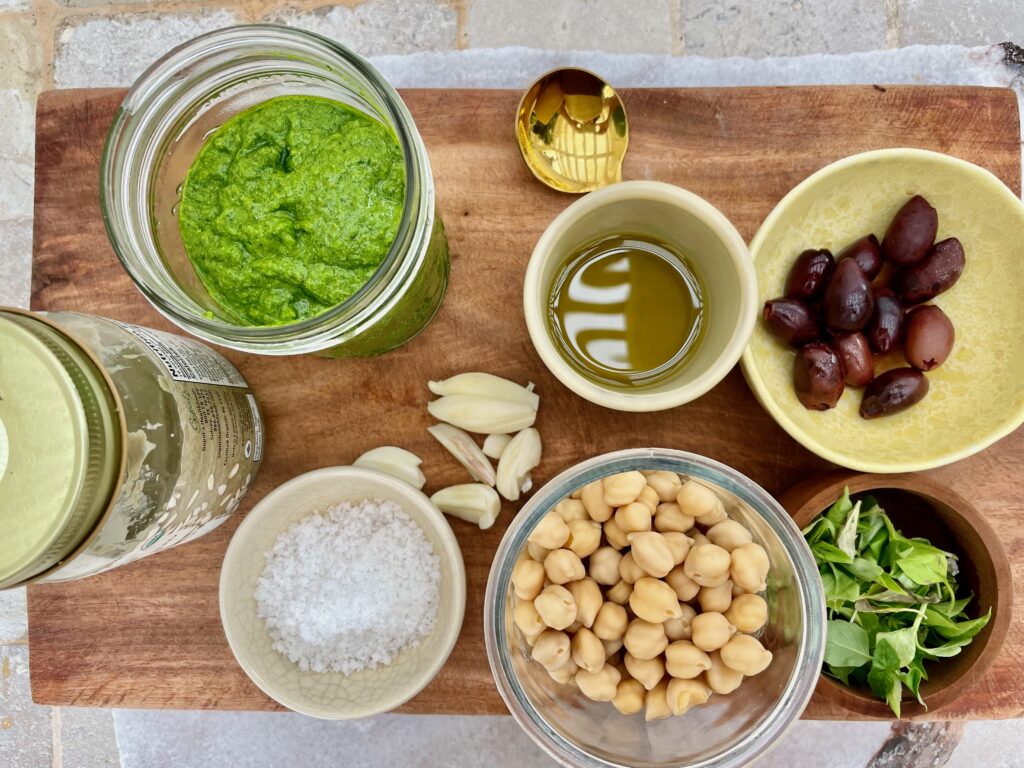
x=627 y=311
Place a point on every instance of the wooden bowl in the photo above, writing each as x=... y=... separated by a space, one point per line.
x=919 y=506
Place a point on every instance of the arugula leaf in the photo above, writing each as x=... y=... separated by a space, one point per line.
x=865 y=569
x=829 y=553
x=896 y=648
x=847 y=539
x=846 y=645
x=885 y=684
x=924 y=567
x=964 y=629
x=837 y=512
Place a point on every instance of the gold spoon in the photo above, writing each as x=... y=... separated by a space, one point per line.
x=572 y=131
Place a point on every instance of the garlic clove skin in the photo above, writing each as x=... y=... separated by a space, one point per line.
x=486 y=385
x=472 y=502
x=466 y=451
x=483 y=415
x=521 y=455
x=495 y=445
x=396 y=462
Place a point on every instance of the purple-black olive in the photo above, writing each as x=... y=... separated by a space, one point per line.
x=848 y=302
x=809 y=275
x=855 y=354
x=936 y=272
x=893 y=391
x=867 y=253
x=930 y=337
x=818 y=376
x=885 y=330
x=911 y=233
x=791 y=322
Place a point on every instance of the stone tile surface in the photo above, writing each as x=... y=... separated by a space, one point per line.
x=14 y=5
x=379 y=26
x=17 y=122
x=614 y=26
x=20 y=60
x=960 y=22
x=15 y=279
x=87 y=738
x=25 y=734
x=13 y=618
x=101 y=52
x=759 y=28
x=998 y=744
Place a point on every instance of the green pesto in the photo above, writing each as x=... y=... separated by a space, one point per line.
x=290 y=207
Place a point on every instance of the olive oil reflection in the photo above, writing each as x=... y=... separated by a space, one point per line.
x=627 y=311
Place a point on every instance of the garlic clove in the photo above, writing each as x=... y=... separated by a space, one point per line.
x=472 y=502
x=521 y=455
x=495 y=444
x=464 y=448
x=483 y=415
x=486 y=385
x=396 y=462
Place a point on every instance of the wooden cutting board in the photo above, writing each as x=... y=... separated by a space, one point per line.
x=149 y=635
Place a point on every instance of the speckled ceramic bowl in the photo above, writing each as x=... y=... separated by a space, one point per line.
x=333 y=695
x=977 y=396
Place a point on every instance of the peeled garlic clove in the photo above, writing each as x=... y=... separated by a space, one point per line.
x=486 y=385
x=396 y=462
x=472 y=502
x=494 y=445
x=483 y=415
x=464 y=448
x=521 y=455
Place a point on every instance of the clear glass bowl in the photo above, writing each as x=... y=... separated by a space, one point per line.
x=728 y=730
x=161 y=126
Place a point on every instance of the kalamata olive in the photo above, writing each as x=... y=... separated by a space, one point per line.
x=809 y=275
x=893 y=391
x=818 y=376
x=791 y=322
x=911 y=233
x=885 y=330
x=936 y=272
x=930 y=337
x=858 y=362
x=848 y=302
x=867 y=253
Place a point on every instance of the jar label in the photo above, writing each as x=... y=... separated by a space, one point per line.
x=187 y=360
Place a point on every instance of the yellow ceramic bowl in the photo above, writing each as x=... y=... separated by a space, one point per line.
x=333 y=695
x=977 y=395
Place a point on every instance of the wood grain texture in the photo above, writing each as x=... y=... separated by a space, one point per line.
x=149 y=635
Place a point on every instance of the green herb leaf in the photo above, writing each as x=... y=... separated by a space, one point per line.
x=885 y=684
x=846 y=645
x=923 y=566
x=829 y=553
x=837 y=512
x=847 y=539
x=964 y=629
x=897 y=648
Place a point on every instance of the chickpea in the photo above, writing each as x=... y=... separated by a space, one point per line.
x=700 y=502
x=601 y=685
x=551 y=532
x=633 y=517
x=647 y=671
x=536 y=551
x=571 y=509
x=716 y=599
x=629 y=697
x=587 y=650
x=527 y=619
x=623 y=488
x=708 y=565
x=611 y=622
x=587 y=596
x=644 y=639
x=563 y=566
x=528 y=579
x=679 y=629
x=620 y=592
x=729 y=534
x=684 y=659
x=748 y=613
x=679 y=544
x=556 y=606
x=565 y=674
x=656 y=703
x=711 y=631
x=592 y=497
x=698 y=538
x=746 y=655
x=665 y=484
x=655 y=601
x=573 y=628
x=651 y=552
x=681 y=694
x=614 y=535
x=685 y=587
x=604 y=566
x=584 y=537
x=720 y=678
x=750 y=567
x=577 y=494
x=649 y=498
x=551 y=649
x=670 y=518
x=629 y=570
x=611 y=647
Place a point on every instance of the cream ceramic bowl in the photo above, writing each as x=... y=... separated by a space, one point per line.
x=333 y=695
x=690 y=224
x=977 y=395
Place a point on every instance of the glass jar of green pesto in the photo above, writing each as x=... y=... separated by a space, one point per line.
x=210 y=257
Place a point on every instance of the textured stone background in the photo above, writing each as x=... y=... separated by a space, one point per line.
x=78 y=43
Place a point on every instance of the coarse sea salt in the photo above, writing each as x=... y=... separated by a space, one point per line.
x=348 y=588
